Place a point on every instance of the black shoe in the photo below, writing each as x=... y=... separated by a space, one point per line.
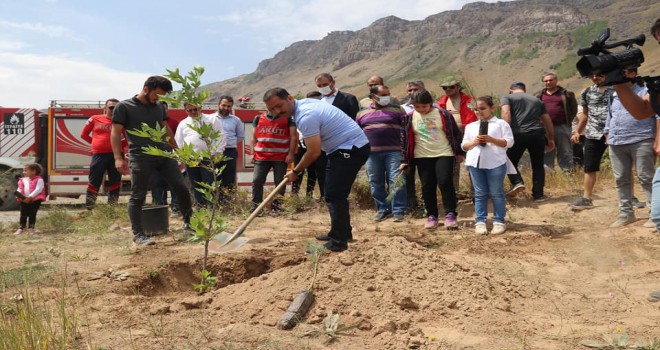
x=382 y=215
x=322 y=238
x=187 y=227
x=142 y=240
x=336 y=246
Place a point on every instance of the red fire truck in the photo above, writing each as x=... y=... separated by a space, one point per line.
x=52 y=138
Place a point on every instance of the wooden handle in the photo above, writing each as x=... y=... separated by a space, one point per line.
x=256 y=212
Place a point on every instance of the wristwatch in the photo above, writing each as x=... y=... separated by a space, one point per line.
x=297 y=172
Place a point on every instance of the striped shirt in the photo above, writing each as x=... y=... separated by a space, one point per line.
x=382 y=127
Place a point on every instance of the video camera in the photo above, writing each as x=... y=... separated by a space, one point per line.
x=597 y=59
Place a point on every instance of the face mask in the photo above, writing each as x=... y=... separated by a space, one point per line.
x=325 y=91
x=383 y=100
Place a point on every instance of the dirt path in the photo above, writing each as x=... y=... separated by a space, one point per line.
x=557 y=278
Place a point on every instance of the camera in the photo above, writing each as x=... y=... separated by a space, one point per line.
x=597 y=58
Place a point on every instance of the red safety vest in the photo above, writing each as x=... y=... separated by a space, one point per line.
x=273 y=139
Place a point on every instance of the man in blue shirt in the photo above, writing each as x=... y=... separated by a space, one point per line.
x=234 y=131
x=326 y=128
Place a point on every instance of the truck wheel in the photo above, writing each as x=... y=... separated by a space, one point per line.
x=8 y=185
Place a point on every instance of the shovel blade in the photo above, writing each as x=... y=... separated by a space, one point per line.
x=219 y=243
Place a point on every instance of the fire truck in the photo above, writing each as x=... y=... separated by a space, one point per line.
x=51 y=137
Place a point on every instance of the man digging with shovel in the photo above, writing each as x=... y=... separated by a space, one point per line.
x=325 y=127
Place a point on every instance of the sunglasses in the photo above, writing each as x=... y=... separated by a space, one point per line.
x=111 y=107
x=448 y=87
x=192 y=110
x=413 y=90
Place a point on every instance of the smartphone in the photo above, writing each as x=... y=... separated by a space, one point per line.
x=19 y=195
x=483 y=130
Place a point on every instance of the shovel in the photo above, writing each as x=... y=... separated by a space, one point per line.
x=226 y=242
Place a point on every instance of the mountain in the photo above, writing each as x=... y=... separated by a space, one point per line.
x=488 y=45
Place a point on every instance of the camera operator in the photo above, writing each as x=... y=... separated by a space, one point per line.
x=639 y=107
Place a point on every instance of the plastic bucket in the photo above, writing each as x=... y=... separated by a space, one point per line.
x=155 y=220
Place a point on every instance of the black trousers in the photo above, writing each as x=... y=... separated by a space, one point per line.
x=311 y=175
x=342 y=168
x=437 y=172
x=321 y=166
x=535 y=145
x=142 y=167
x=102 y=163
x=29 y=213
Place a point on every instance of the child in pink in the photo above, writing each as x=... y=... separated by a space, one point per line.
x=31 y=192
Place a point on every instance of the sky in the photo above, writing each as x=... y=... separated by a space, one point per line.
x=93 y=50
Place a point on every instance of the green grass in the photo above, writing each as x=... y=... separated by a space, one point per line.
x=586 y=34
x=20 y=275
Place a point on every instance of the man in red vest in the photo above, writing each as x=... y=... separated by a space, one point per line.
x=273 y=146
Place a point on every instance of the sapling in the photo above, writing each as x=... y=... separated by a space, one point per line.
x=206 y=222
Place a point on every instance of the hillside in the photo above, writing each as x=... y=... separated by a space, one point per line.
x=486 y=44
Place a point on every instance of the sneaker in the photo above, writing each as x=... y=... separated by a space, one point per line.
x=480 y=228
x=582 y=203
x=649 y=223
x=431 y=222
x=654 y=296
x=18 y=232
x=623 y=220
x=382 y=215
x=450 y=222
x=187 y=227
x=30 y=231
x=542 y=198
x=498 y=228
x=517 y=188
x=636 y=203
x=142 y=240
x=397 y=217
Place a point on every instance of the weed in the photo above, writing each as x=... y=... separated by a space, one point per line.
x=361 y=194
x=20 y=275
x=297 y=204
x=29 y=323
x=58 y=220
x=330 y=328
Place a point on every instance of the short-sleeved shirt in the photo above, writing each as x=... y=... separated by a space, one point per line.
x=597 y=105
x=336 y=129
x=430 y=138
x=131 y=114
x=526 y=112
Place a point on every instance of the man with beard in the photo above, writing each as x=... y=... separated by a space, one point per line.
x=130 y=115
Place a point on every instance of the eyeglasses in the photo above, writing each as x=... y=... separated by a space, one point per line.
x=448 y=87
x=192 y=110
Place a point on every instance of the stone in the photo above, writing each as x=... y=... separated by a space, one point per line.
x=387 y=326
x=196 y=302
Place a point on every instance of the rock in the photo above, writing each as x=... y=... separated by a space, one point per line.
x=161 y=309
x=355 y=313
x=365 y=325
x=371 y=288
x=407 y=303
x=416 y=342
x=269 y=323
x=346 y=260
x=196 y=302
x=387 y=326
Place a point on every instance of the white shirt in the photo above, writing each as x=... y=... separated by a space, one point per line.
x=330 y=98
x=186 y=135
x=489 y=156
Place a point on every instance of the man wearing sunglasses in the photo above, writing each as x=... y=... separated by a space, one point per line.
x=97 y=132
x=460 y=105
x=186 y=135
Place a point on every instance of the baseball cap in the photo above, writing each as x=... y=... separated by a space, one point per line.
x=450 y=81
x=517 y=85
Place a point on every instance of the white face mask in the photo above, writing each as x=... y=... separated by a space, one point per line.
x=383 y=100
x=325 y=91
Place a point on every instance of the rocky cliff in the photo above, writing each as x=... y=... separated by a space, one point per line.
x=487 y=44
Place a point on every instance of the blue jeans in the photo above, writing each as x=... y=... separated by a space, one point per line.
x=655 y=201
x=489 y=183
x=384 y=166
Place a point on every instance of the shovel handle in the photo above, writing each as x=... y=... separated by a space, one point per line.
x=256 y=212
